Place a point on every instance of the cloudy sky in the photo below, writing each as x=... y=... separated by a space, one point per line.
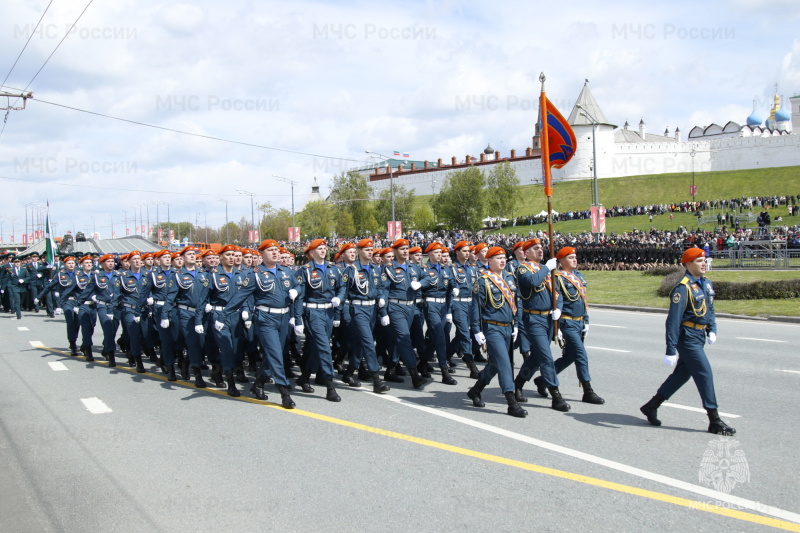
x=308 y=86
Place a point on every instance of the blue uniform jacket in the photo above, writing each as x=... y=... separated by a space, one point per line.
x=488 y=302
x=691 y=301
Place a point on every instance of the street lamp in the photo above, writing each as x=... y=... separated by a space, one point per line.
x=595 y=200
x=205 y=218
x=391 y=177
x=293 y=183
x=227 y=236
x=252 y=210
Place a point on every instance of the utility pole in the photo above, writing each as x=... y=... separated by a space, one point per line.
x=252 y=211
x=293 y=183
x=227 y=232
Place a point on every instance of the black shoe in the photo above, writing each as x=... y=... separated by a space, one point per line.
x=349 y=380
x=513 y=407
x=184 y=366
x=112 y=361
x=399 y=370
x=589 y=395
x=474 y=394
x=417 y=381
x=447 y=379
x=302 y=382
x=139 y=365
x=258 y=389
x=332 y=395
x=363 y=374
x=422 y=368
x=238 y=373
x=286 y=398
x=717 y=426
x=479 y=358
x=650 y=409
x=232 y=390
x=216 y=375
x=73 y=349
x=391 y=375
x=518 y=394
x=87 y=353
x=541 y=388
x=199 y=382
x=559 y=404
x=171 y=373
x=451 y=363
x=378 y=386
x=473 y=371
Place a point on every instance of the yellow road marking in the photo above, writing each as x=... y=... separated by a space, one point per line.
x=652 y=495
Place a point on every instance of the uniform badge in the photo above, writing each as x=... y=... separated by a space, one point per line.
x=344 y=278
x=205 y=282
x=384 y=277
x=245 y=281
x=170 y=283
x=676 y=298
x=286 y=283
x=144 y=282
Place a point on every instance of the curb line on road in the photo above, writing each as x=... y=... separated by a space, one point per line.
x=786 y=319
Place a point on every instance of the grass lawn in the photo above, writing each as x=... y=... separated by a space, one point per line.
x=640 y=291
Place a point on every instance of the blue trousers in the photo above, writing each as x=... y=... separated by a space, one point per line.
x=692 y=363
x=574 y=350
x=225 y=339
x=401 y=318
x=462 y=340
x=87 y=316
x=319 y=328
x=167 y=336
x=362 y=345
x=435 y=318
x=134 y=331
x=109 y=327
x=194 y=342
x=272 y=330
x=539 y=332
x=73 y=322
x=498 y=340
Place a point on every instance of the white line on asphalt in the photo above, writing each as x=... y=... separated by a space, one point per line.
x=22 y=328
x=95 y=406
x=58 y=365
x=608 y=349
x=36 y=344
x=652 y=476
x=607 y=326
x=760 y=340
x=790 y=371
x=696 y=409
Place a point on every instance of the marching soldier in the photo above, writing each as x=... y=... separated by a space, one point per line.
x=132 y=284
x=17 y=277
x=83 y=306
x=463 y=279
x=37 y=277
x=436 y=292
x=106 y=297
x=155 y=294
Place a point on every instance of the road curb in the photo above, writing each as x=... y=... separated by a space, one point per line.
x=785 y=319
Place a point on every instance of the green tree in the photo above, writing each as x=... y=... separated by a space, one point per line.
x=502 y=195
x=403 y=205
x=316 y=219
x=344 y=225
x=274 y=223
x=462 y=202
x=423 y=218
x=352 y=193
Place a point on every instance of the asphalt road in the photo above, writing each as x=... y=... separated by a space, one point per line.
x=157 y=456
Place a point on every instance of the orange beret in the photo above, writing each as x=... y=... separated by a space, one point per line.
x=377 y=252
x=227 y=248
x=283 y=250
x=460 y=244
x=336 y=257
x=365 y=243
x=269 y=243
x=105 y=257
x=400 y=242
x=387 y=251
x=564 y=252
x=123 y=257
x=346 y=246
x=532 y=242
x=495 y=250
x=316 y=243
x=133 y=253
x=176 y=255
x=208 y=252
x=248 y=251
x=520 y=244
x=433 y=246
x=86 y=258
x=188 y=249
x=415 y=250
x=480 y=246
x=691 y=254
x=160 y=253
x=69 y=258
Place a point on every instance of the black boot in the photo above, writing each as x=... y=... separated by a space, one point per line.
x=238 y=373
x=258 y=388
x=131 y=359
x=319 y=379
x=474 y=394
x=199 y=382
x=391 y=374
x=73 y=349
x=216 y=375
x=348 y=378
x=717 y=426
x=171 y=373
x=232 y=390
x=151 y=353
x=480 y=358
x=302 y=382
x=87 y=353
x=363 y=373
x=473 y=371
x=589 y=395
x=559 y=404
x=447 y=379
x=513 y=407
x=541 y=388
x=422 y=368
x=286 y=398
x=417 y=381
x=331 y=395
x=378 y=386
x=518 y=394
x=112 y=361
x=139 y=365
x=399 y=370
x=251 y=361
x=650 y=409
x=184 y=365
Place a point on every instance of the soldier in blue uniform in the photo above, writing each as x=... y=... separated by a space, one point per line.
x=132 y=285
x=106 y=297
x=155 y=294
x=690 y=323
x=535 y=291
x=83 y=305
x=574 y=321
x=437 y=306
x=64 y=281
x=274 y=292
x=494 y=315
x=463 y=279
x=341 y=331
x=16 y=285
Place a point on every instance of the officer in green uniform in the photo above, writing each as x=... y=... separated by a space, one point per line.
x=16 y=285
x=690 y=323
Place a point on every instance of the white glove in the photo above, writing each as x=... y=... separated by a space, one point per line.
x=110 y=317
x=76 y=309
x=381 y=303
x=556 y=314
x=551 y=263
x=94 y=298
x=385 y=320
x=337 y=323
x=208 y=308
x=245 y=315
x=58 y=311
x=56 y=294
x=36 y=301
x=560 y=337
x=585 y=329
x=416 y=285
x=219 y=326
x=164 y=323
x=336 y=302
x=150 y=300
x=199 y=329
x=137 y=319
x=480 y=338
x=712 y=338
x=298 y=330
x=291 y=321
x=38 y=275
x=21 y=280
x=670 y=360
x=449 y=318
x=515 y=332
x=247 y=324
x=292 y=294
x=456 y=292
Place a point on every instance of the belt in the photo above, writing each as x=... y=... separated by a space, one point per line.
x=273 y=310
x=217 y=308
x=362 y=302
x=402 y=302
x=186 y=308
x=436 y=300
x=102 y=304
x=572 y=317
x=159 y=302
x=502 y=324
x=693 y=325
x=462 y=300
x=317 y=306
x=129 y=306
x=535 y=312
x=88 y=302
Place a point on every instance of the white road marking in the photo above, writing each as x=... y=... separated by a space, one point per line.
x=95 y=406
x=36 y=344
x=651 y=476
x=22 y=328
x=697 y=409
x=608 y=349
x=607 y=326
x=759 y=340
x=790 y=371
x=57 y=366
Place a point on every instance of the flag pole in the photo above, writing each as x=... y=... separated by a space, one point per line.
x=548 y=190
